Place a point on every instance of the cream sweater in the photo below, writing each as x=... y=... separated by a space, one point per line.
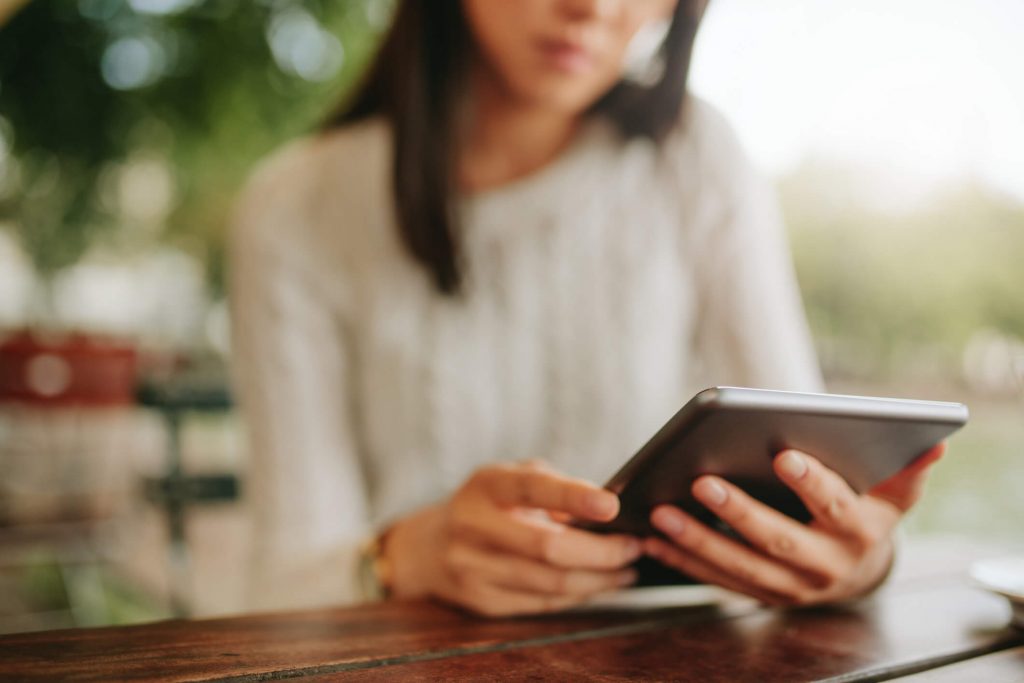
x=602 y=292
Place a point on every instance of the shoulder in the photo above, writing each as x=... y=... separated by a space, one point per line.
x=705 y=144
x=706 y=124
x=293 y=196
x=717 y=182
x=724 y=199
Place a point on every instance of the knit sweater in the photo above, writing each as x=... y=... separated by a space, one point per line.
x=601 y=292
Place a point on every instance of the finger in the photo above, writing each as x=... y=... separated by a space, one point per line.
x=828 y=497
x=777 y=535
x=537 y=488
x=692 y=566
x=537 y=464
x=929 y=457
x=905 y=488
x=730 y=558
x=519 y=573
x=541 y=539
x=560 y=517
x=489 y=600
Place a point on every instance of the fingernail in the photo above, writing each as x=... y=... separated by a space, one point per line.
x=603 y=504
x=793 y=465
x=627 y=578
x=669 y=520
x=634 y=548
x=710 y=491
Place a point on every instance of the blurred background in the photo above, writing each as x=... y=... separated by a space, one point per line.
x=893 y=128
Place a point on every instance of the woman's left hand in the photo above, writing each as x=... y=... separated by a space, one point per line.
x=845 y=552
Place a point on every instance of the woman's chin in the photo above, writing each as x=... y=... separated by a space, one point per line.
x=561 y=93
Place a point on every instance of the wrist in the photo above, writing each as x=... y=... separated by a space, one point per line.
x=411 y=544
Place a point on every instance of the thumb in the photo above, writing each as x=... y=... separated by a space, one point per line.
x=905 y=487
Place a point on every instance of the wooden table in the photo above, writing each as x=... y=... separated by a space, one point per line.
x=927 y=624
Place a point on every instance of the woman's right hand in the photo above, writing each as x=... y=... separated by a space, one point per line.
x=501 y=544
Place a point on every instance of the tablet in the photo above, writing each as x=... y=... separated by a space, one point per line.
x=736 y=433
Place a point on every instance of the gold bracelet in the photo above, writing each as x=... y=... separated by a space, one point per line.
x=375 y=571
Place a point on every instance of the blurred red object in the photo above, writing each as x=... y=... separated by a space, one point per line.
x=67 y=370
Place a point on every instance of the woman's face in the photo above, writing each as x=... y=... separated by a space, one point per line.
x=564 y=54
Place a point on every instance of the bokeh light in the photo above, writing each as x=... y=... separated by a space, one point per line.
x=304 y=48
x=133 y=62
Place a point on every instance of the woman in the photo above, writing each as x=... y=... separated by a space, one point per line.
x=515 y=255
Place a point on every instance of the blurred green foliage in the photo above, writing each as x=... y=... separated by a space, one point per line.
x=42 y=584
x=45 y=597
x=901 y=291
x=207 y=87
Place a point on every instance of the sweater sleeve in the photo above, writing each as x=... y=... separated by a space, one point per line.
x=751 y=326
x=305 y=489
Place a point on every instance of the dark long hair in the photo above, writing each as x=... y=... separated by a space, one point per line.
x=415 y=83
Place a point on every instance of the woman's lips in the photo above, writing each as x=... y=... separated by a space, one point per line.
x=566 y=56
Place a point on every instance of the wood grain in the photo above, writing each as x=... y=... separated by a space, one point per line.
x=898 y=632
x=294 y=642
x=923 y=625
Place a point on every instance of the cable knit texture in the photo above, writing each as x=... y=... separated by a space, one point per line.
x=601 y=292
